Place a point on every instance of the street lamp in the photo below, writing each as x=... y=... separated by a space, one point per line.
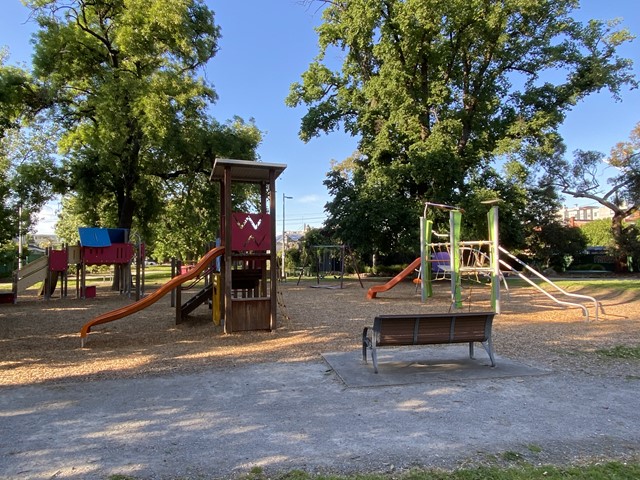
x=284 y=243
x=19 y=236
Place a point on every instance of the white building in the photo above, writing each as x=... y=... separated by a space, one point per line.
x=581 y=214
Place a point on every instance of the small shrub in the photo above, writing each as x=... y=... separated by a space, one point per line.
x=587 y=266
x=533 y=448
x=511 y=456
x=620 y=351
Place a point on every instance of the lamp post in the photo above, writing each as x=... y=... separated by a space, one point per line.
x=19 y=236
x=284 y=243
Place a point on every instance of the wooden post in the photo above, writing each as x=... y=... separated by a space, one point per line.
x=228 y=304
x=178 y=291
x=273 y=270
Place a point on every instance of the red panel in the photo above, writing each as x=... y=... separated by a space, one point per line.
x=6 y=297
x=57 y=260
x=250 y=231
x=119 y=253
x=185 y=269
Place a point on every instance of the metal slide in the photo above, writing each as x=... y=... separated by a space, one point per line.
x=143 y=303
x=585 y=311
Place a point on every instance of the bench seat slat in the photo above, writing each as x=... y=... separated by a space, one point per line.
x=433 y=331
x=396 y=332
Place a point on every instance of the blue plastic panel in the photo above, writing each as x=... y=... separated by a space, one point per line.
x=94 y=237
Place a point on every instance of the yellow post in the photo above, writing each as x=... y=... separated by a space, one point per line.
x=216 y=299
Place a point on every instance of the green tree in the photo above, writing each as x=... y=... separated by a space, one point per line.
x=35 y=175
x=70 y=218
x=20 y=97
x=127 y=90
x=581 y=178
x=511 y=184
x=549 y=241
x=24 y=158
x=437 y=91
x=598 y=233
x=366 y=213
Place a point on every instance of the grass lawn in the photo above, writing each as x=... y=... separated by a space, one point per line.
x=621 y=284
x=605 y=471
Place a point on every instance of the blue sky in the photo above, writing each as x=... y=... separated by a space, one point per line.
x=267 y=45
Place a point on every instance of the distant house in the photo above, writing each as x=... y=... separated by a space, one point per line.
x=579 y=215
x=292 y=239
x=45 y=240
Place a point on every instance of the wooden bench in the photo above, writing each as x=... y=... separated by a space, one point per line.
x=428 y=329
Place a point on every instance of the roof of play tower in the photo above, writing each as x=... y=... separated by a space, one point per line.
x=246 y=170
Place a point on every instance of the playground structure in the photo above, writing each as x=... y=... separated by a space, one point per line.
x=247 y=286
x=108 y=246
x=248 y=279
x=447 y=257
x=209 y=293
x=47 y=270
x=98 y=246
x=456 y=258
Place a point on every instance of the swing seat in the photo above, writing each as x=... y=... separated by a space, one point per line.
x=441 y=262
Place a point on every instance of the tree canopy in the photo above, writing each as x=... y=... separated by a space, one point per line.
x=438 y=91
x=582 y=177
x=26 y=162
x=125 y=85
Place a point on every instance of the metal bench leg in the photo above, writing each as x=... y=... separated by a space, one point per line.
x=489 y=348
x=369 y=343
x=374 y=356
x=365 y=344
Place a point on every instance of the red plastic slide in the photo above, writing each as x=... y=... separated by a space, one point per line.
x=373 y=291
x=143 y=303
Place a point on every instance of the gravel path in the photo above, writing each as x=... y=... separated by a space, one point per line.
x=154 y=400
x=278 y=417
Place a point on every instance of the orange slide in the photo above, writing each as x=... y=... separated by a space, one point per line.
x=143 y=303
x=373 y=291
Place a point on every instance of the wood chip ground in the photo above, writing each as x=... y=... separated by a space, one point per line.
x=40 y=343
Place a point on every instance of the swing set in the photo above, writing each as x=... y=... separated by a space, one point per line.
x=330 y=262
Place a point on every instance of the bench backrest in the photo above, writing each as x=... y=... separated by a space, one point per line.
x=432 y=328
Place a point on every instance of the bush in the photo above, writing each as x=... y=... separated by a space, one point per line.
x=385 y=270
x=587 y=266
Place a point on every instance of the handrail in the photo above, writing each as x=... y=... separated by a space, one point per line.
x=585 y=311
x=212 y=268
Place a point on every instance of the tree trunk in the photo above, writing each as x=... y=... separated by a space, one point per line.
x=619 y=238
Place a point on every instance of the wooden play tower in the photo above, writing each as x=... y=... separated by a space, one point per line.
x=249 y=274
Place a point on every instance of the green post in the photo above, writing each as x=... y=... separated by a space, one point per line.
x=455 y=223
x=492 y=217
x=426 y=228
